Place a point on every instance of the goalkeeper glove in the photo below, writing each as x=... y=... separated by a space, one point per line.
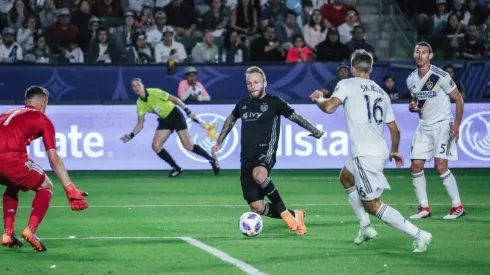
x=75 y=197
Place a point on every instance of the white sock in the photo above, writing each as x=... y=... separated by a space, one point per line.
x=358 y=207
x=392 y=217
x=449 y=182
x=418 y=181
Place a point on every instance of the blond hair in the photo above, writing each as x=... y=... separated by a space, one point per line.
x=255 y=69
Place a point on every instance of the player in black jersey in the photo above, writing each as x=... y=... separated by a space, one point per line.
x=261 y=115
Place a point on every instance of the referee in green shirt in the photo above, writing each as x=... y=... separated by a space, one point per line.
x=170 y=118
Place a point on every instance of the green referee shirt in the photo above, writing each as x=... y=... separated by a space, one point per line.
x=156 y=102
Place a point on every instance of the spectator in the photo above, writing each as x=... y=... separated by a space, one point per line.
x=107 y=8
x=331 y=49
x=81 y=20
x=216 y=18
x=334 y=13
x=287 y=31
x=244 y=18
x=389 y=87
x=124 y=33
x=40 y=53
x=237 y=49
x=74 y=53
x=48 y=14
x=61 y=33
x=10 y=51
x=358 y=42
x=274 y=14
x=461 y=12
x=25 y=35
x=316 y=30
x=329 y=85
x=472 y=48
x=17 y=15
x=169 y=48
x=267 y=47
x=183 y=18
x=486 y=8
x=103 y=50
x=206 y=51
x=190 y=89
x=146 y=20
x=86 y=38
x=305 y=14
x=299 y=52
x=484 y=33
x=476 y=12
x=439 y=20
x=135 y=6
x=346 y=28
x=454 y=33
x=139 y=52
x=155 y=35
x=452 y=73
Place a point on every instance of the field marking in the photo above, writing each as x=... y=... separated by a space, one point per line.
x=194 y=242
x=240 y=205
x=295 y=178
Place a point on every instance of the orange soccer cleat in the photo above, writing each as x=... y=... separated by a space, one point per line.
x=34 y=240
x=11 y=241
x=289 y=219
x=300 y=220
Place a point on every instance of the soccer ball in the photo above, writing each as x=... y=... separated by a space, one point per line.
x=250 y=224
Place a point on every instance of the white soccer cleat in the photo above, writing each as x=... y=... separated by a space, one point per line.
x=422 y=213
x=421 y=243
x=455 y=213
x=365 y=234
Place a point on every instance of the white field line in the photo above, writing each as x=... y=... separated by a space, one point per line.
x=240 y=205
x=248 y=269
x=330 y=178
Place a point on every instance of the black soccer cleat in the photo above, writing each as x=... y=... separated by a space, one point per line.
x=11 y=241
x=215 y=164
x=175 y=172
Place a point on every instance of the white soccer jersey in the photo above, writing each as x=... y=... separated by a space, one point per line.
x=367 y=108
x=432 y=94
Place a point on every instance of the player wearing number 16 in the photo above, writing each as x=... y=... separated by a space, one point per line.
x=367 y=109
x=19 y=173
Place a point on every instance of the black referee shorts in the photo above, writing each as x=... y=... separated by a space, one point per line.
x=174 y=121
x=254 y=158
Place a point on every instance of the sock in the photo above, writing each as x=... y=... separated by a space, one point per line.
x=271 y=211
x=168 y=159
x=449 y=182
x=199 y=151
x=418 y=181
x=273 y=195
x=356 y=204
x=10 y=204
x=40 y=205
x=393 y=218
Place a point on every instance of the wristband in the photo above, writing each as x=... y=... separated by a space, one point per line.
x=321 y=100
x=187 y=111
x=131 y=135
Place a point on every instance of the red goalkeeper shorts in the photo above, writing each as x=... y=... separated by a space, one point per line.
x=19 y=170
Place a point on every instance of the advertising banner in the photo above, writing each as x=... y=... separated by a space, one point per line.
x=88 y=138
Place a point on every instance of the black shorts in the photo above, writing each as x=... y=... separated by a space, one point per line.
x=174 y=121
x=251 y=190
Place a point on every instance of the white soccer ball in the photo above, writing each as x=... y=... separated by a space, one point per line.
x=250 y=224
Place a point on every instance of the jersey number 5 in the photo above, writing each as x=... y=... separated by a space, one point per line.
x=376 y=111
x=7 y=121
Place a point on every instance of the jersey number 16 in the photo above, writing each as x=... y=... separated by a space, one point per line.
x=375 y=111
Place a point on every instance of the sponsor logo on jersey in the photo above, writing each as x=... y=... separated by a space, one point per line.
x=475 y=136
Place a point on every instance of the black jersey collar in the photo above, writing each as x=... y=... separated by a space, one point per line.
x=147 y=95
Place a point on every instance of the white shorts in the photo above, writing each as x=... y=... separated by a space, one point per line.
x=368 y=175
x=434 y=143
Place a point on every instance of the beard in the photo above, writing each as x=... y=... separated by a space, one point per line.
x=257 y=94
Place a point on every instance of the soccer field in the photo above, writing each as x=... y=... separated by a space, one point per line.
x=146 y=223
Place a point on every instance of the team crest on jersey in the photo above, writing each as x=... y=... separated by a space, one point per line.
x=264 y=107
x=430 y=85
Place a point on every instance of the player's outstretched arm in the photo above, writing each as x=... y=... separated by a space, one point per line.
x=303 y=122
x=395 y=143
x=136 y=130
x=326 y=105
x=75 y=196
x=227 y=127
x=458 y=99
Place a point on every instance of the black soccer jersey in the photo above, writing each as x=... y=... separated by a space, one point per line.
x=261 y=123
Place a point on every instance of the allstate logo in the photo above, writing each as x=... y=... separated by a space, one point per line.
x=475 y=136
x=198 y=136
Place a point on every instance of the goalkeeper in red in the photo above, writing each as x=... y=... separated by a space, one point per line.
x=18 y=128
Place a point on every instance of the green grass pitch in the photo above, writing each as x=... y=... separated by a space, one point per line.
x=126 y=205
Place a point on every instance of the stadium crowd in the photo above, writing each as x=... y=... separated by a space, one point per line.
x=196 y=31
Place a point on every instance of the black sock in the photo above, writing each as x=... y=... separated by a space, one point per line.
x=168 y=159
x=273 y=195
x=199 y=151
x=271 y=211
